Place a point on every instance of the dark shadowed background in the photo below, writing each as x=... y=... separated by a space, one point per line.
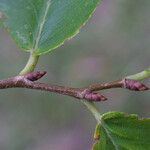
x=114 y=43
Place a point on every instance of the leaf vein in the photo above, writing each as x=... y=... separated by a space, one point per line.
x=110 y=137
x=48 y=4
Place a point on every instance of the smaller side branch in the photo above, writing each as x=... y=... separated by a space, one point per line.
x=129 y=84
x=88 y=93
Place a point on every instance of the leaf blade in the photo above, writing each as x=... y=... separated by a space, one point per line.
x=44 y=25
x=120 y=131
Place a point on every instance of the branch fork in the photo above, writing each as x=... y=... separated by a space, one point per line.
x=88 y=93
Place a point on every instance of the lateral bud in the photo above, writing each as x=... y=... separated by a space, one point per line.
x=94 y=97
x=90 y=96
x=134 y=85
x=34 y=76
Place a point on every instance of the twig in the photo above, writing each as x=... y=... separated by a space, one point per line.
x=130 y=84
x=87 y=93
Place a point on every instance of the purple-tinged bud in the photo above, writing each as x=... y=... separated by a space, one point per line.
x=94 y=97
x=33 y=76
x=90 y=96
x=134 y=85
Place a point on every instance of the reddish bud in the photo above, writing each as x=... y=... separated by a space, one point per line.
x=90 y=96
x=134 y=85
x=94 y=97
x=33 y=76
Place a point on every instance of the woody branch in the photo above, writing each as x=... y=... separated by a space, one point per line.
x=88 y=93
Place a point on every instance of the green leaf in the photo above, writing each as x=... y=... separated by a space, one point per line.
x=119 y=131
x=43 y=25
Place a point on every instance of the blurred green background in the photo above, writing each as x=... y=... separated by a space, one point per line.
x=114 y=43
